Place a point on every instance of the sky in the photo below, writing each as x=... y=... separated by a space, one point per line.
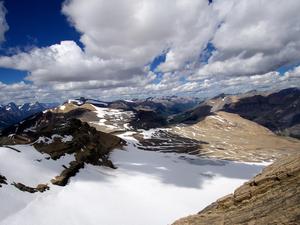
x=52 y=50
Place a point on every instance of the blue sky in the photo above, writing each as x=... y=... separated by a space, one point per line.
x=55 y=49
x=28 y=30
x=33 y=23
x=36 y=23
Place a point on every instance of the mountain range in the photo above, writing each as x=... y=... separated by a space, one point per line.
x=278 y=111
x=12 y=113
x=168 y=151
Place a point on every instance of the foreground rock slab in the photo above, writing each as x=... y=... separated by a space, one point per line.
x=271 y=197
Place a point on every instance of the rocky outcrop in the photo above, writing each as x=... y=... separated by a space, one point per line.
x=271 y=197
x=58 y=134
x=68 y=172
x=38 y=188
x=2 y=180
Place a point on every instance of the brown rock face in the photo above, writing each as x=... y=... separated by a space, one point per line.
x=271 y=197
x=71 y=171
x=46 y=132
x=38 y=188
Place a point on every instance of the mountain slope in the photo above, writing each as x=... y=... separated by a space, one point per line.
x=220 y=134
x=278 y=111
x=144 y=181
x=61 y=134
x=11 y=113
x=229 y=136
x=271 y=197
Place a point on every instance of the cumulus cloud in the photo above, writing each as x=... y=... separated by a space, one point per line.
x=120 y=39
x=255 y=37
x=269 y=81
x=66 y=62
x=138 y=30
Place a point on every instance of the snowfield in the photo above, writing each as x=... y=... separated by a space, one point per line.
x=148 y=188
x=121 y=118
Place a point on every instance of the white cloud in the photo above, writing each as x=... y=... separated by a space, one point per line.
x=136 y=31
x=120 y=38
x=66 y=62
x=255 y=37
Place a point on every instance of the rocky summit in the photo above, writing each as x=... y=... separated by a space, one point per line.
x=57 y=135
x=271 y=197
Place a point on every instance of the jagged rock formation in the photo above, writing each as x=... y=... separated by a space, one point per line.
x=229 y=136
x=271 y=197
x=58 y=134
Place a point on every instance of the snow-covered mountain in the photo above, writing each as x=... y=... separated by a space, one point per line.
x=12 y=113
x=103 y=160
x=167 y=105
x=60 y=159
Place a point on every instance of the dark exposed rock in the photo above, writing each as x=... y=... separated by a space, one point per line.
x=12 y=148
x=271 y=197
x=146 y=119
x=68 y=172
x=192 y=116
x=280 y=112
x=11 y=113
x=46 y=132
x=165 y=141
x=2 y=180
x=163 y=106
x=293 y=131
x=38 y=188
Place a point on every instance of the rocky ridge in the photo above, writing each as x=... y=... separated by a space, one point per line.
x=58 y=134
x=271 y=197
x=278 y=111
